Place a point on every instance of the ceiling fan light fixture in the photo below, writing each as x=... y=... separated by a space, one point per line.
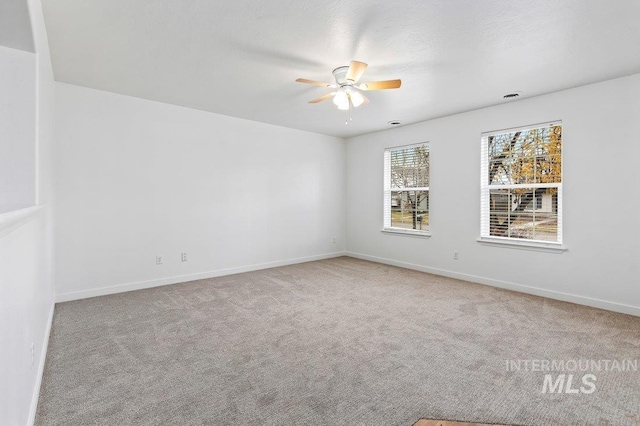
x=356 y=98
x=341 y=99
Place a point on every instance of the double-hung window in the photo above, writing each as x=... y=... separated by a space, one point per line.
x=521 y=175
x=406 y=189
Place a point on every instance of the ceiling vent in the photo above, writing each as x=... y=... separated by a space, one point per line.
x=512 y=95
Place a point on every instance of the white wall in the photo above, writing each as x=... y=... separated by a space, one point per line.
x=600 y=142
x=17 y=129
x=26 y=258
x=136 y=179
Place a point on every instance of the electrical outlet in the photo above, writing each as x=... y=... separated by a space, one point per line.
x=183 y=257
x=32 y=349
x=456 y=255
x=158 y=260
x=334 y=240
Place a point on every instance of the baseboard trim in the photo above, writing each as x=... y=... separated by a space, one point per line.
x=43 y=358
x=121 y=288
x=536 y=291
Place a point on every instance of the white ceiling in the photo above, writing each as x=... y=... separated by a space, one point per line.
x=15 y=26
x=241 y=57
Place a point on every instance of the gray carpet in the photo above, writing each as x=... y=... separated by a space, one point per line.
x=334 y=342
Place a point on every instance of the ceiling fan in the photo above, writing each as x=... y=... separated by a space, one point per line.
x=349 y=92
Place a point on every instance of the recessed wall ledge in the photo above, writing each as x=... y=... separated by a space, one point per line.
x=523 y=245
x=406 y=233
x=12 y=220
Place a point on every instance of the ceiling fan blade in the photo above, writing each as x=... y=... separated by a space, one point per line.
x=366 y=100
x=322 y=98
x=315 y=83
x=355 y=70
x=381 y=85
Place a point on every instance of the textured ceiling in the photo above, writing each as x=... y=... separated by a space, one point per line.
x=15 y=26
x=241 y=57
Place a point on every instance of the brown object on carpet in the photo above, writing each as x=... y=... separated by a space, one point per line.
x=334 y=342
x=425 y=422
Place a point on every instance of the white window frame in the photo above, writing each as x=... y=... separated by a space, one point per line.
x=388 y=189
x=485 y=188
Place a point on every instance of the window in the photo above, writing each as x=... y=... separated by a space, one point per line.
x=406 y=189
x=522 y=184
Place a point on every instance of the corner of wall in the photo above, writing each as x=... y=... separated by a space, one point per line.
x=43 y=357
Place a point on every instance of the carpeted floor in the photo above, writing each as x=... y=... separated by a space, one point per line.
x=333 y=342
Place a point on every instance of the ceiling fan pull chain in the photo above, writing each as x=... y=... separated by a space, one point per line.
x=349 y=118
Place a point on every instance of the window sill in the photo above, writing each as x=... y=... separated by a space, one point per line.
x=406 y=232
x=523 y=245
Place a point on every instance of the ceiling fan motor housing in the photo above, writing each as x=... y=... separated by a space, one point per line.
x=340 y=75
